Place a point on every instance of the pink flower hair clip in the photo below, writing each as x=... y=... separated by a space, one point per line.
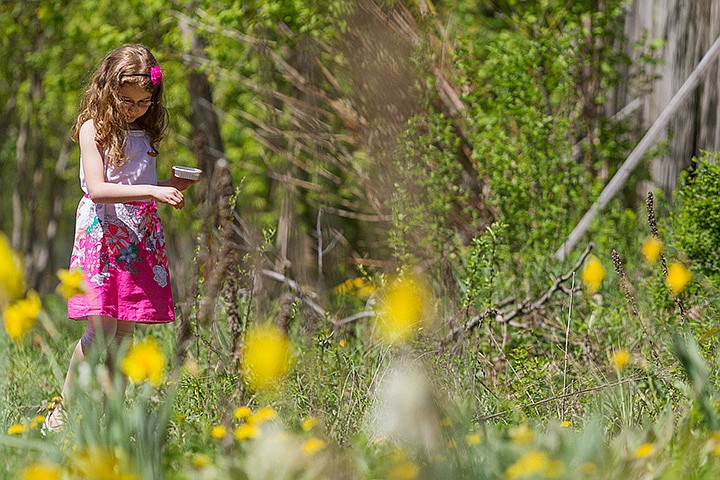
x=156 y=74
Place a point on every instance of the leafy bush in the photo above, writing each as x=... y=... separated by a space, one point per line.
x=696 y=221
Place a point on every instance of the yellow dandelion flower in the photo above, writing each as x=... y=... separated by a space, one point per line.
x=361 y=287
x=473 y=438
x=344 y=287
x=404 y=471
x=555 y=469
x=309 y=423
x=645 y=450
x=246 y=431
x=566 y=424
x=445 y=421
x=342 y=343
x=678 y=277
x=620 y=359
x=144 y=361
x=242 y=413
x=12 y=279
x=16 y=429
x=312 y=445
x=36 y=420
x=714 y=441
x=651 y=249
x=531 y=463
x=41 y=471
x=366 y=291
x=71 y=283
x=103 y=463
x=218 y=431
x=522 y=434
x=192 y=368
x=262 y=415
x=593 y=274
x=201 y=460
x=587 y=468
x=403 y=307
x=20 y=316
x=716 y=450
x=267 y=357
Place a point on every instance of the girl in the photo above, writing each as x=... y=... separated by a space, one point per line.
x=119 y=244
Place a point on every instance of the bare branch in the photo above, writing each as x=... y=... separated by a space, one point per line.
x=523 y=308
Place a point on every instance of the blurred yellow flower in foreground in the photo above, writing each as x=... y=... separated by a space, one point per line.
x=403 y=307
x=309 y=423
x=144 y=361
x=587 y=468
x=521 y=434
x=103 y=463
x=620 y=359
x=645 y=450
x=593 y=274
x=242 y=412
x=473 y=438
x=41 y=471
x=246 y=431
x=651 y=249
x=678 y=277
x=201 y=460
x=16 y=429
x=404 y=471
x=71 y=283
x=36 y=421
x=262 y=415
x=267 y=356
x=20 y=316
x=312 y=445
x=12 y=280
x=218 y=431
x=531 y=463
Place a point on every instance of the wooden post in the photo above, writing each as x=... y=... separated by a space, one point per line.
x=637 y=154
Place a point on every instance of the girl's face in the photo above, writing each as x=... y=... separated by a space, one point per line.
x=134 y=101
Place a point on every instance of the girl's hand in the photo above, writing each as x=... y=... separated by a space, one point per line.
x=169 y=195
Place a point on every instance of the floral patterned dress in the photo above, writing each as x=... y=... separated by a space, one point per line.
x=120 y=248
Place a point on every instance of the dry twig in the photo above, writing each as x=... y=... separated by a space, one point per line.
x=523 y=308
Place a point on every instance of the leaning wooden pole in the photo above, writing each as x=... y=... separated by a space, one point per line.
x=632 y=161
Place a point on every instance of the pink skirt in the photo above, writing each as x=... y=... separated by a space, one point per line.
x=120 y=248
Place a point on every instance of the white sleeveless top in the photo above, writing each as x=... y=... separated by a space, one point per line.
x=138 y=169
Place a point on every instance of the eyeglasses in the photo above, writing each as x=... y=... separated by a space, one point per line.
x=141 y=104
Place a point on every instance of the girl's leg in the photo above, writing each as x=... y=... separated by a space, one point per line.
x=123 y=335
x=98 y=326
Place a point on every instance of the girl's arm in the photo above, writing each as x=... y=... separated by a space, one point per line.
x=101 y=191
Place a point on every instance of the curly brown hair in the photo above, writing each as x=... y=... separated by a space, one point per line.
x=129 y=64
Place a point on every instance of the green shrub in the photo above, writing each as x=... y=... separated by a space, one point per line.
x=696 y=221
